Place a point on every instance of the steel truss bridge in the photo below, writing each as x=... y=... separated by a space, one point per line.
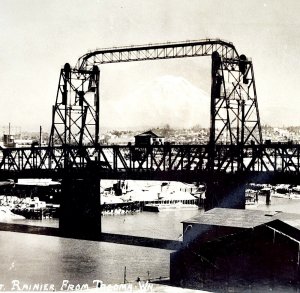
x=234 y=156
x=235 y=143
x=255 y=163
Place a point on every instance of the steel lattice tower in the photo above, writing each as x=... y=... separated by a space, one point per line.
x=234 y=110
x=75 y=119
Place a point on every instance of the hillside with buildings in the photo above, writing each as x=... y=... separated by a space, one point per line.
x=15 y=137
x=197 y=135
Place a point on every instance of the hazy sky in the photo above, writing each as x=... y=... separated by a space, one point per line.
x=38 y=37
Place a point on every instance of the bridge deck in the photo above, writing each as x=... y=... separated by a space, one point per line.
x=165 y=162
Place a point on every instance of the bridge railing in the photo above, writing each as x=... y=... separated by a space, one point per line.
x=226 y=158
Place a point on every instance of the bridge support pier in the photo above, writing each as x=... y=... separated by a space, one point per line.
x=80 y=214
x=225 y=194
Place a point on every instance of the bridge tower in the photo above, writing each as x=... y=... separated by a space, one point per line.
x=234 y=120
x=75 y=117
x=75 y=122
x=234 y=109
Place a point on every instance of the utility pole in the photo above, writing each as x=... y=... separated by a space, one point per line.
x=125 y=275
x=40 y=143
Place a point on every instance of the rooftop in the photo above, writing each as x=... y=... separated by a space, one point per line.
x=148 y=133
x=243 y=218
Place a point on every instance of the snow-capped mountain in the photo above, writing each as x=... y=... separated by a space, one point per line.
x=165 y=100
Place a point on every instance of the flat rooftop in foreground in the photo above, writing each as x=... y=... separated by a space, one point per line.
x=239 y=218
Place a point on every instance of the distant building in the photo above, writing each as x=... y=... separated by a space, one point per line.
x=149 y=138
x=8 y=140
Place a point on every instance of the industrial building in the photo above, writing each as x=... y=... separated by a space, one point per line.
x=148 y=138
x=237 y=250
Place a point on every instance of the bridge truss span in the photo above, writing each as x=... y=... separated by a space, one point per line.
x=168 y=50
x=170 y=162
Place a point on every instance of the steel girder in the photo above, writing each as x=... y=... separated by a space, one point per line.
x=75 y=118
x=157 y=51
x=231 y=159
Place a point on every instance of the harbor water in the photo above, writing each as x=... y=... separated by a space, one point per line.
x=32 y=259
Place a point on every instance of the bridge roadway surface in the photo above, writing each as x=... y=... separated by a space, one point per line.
x=266 y=163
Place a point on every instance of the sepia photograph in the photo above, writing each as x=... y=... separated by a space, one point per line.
x=149 y=146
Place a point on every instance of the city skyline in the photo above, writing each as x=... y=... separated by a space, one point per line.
x=39 y=37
